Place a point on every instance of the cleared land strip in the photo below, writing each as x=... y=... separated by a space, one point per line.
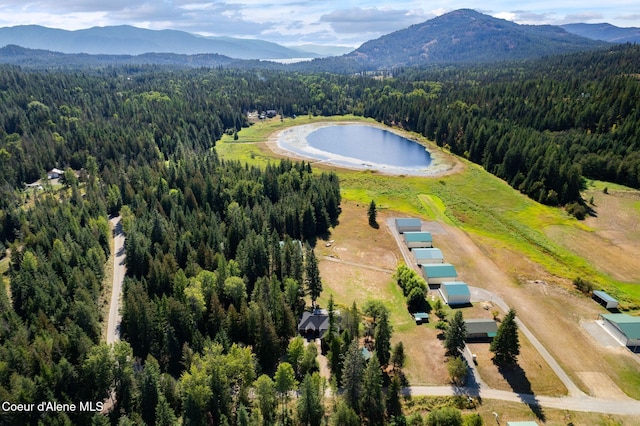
x=358 y=265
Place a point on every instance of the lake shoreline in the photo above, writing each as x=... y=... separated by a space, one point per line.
x=292 y=142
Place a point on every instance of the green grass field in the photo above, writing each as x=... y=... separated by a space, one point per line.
x=473 y=200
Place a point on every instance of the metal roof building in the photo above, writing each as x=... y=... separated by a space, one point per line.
x=428 y=255
x=481 y=329
x=604 y=299
x=408 y=225
x=418 y=239
x=455 y=293
x=625 y=328
x=437 y=273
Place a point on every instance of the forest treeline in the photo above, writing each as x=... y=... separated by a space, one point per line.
x=217 y=257
x=541 y=126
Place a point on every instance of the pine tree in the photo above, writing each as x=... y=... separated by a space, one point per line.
x=506 y=345
x=352 y=369
x=312 y=276
x=371 y=401
x=383 y=339
x=373 y=214
x=455 y=334
x=309 y=405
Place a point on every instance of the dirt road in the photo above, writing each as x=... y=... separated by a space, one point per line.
x=113 y=327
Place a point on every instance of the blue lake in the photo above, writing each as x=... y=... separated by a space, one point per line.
x=369 y=144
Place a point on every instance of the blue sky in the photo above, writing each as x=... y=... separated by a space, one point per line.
x=293 y=22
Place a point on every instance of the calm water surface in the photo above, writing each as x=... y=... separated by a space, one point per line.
x=370 y=145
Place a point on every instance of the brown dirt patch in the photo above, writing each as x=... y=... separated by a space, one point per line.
x=614 y=244
x=601 y=386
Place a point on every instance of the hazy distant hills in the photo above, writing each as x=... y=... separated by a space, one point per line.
x=128 y=40
x=466 y=36
x=605 y=32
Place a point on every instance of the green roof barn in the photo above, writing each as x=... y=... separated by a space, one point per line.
x=625 y=328
x=418 y=239
x=455 y=293
x=437 y=273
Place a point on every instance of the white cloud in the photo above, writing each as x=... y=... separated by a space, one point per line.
x=298 y=21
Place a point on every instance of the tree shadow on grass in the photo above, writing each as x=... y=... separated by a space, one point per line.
x=517 y=379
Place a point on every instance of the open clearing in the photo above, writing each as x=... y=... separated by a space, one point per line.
x=499 y=240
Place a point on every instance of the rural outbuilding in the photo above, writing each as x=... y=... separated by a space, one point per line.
x=313 y=324
x=481 y=329
x=605 y=300
x=527 y=423
x=625 y=328
x=54 y=173
x=408 y=225
x=418 y=239
x=437 y=273
x=421 y=317
x=455 y=293
x=428 y=255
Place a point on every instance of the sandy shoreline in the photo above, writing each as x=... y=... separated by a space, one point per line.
x=292 y=142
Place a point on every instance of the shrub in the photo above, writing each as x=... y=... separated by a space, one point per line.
x=584 y=286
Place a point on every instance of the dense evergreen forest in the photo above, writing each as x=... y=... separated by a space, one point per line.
x=215 y=273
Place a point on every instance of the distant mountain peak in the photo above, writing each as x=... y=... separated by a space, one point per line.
x=468 y=36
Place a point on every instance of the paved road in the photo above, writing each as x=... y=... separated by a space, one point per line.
x=572 y=403
x=113 y=325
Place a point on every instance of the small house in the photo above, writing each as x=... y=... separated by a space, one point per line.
x=313 y=325
x=480 y=329
x=526 y=423
x=605 y=300
x=408 y=225
x=54 y=173
x=437 y=273
x=455 y=293
x=625 y=328
x=418 y=239
x=428 y=255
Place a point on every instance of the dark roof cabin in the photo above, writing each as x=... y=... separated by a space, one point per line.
x=313 y=324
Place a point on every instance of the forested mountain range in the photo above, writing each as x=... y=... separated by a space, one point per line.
x=211 y=294
x=45 y=59
x=605 y=32
x=128 y=40
x=460 y=37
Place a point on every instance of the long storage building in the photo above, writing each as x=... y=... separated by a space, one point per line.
x=428 y=255
x=437 y=273
x=455 y=293
x=418 y=239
